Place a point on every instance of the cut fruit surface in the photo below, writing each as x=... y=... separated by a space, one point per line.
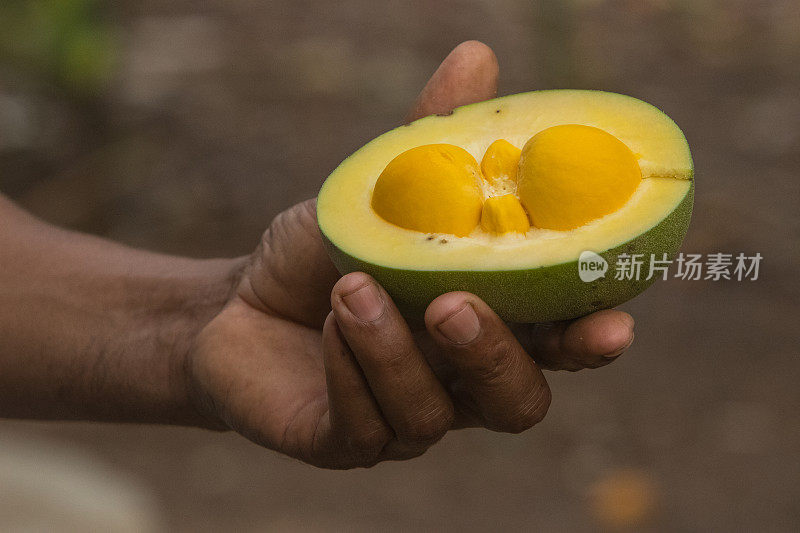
x=504 y=214
x=500 y=162
x=572 y=174
x=421 y=244
x=433 y=188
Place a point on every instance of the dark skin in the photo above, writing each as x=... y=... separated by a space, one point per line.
x=277 y=346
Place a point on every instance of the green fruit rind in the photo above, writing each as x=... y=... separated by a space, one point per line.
x=538 y=294
x=542 y=294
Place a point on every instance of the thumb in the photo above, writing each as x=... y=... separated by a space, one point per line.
x=467 y=75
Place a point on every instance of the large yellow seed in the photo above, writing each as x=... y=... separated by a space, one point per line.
x=504 y=214
x=500 y=162
x=433 y=188
x=572 y=174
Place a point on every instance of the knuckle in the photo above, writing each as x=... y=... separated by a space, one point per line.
x=269 y=238
x=569 y=365
x=577 y=364
x=266 y=239
x=393 y=360
x=405 y=453
x=528 y=413
x=428 y=429
x=597 y=363
x=494 y=365
x=552 y=366
x=370 y=441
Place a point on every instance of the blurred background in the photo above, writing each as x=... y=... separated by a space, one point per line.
x=185 y=126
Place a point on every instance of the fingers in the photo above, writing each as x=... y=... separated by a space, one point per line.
x=498 y=381
x=588 y=342
x=411 y=399
x=467 y=75
x=273 y=281
x=354 y=415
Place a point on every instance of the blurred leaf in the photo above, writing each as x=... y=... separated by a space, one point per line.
x=67 y=40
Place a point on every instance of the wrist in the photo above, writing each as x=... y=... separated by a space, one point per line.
x=212 y=287
x=92 y=330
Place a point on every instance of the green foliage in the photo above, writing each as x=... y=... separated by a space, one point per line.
x=66 y=40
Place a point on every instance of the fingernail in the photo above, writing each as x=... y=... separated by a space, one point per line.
x=619 y=352
x=463 y=327
x=365 y=303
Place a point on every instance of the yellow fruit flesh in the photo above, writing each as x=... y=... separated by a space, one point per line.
x=499 y=164
x=572 y=174
x=504 y=214
x=563 y=178
x=433 y=188
x=345 y=202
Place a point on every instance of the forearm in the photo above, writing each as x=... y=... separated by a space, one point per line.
x=93 y=330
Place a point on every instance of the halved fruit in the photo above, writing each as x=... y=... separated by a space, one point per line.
x=562 y=172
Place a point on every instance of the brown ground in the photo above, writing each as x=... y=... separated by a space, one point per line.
x=222 y=113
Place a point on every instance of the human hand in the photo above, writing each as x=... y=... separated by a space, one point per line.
x=325 y=369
